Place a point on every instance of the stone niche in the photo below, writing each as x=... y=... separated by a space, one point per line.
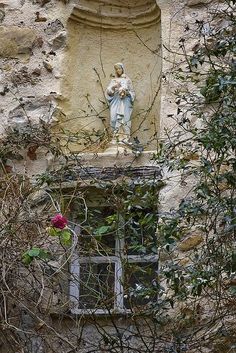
x=101 y=33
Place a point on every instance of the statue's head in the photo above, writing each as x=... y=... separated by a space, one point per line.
x=119 y=69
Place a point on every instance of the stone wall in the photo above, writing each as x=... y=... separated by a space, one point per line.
x=45 y=75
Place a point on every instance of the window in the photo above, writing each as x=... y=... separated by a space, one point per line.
x=114 y=268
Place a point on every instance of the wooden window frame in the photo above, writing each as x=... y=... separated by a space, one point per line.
x=118 y=260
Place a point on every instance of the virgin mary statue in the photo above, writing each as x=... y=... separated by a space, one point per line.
x=120 y=96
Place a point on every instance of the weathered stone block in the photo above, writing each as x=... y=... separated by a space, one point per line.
x=190 y=242
x=34 y=110
x=53 y=27
x=59 y=41
x=15 y=40
x=40 y=18
x=23 y=77
x=48 y=66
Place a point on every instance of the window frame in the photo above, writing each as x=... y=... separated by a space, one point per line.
x=118 y=259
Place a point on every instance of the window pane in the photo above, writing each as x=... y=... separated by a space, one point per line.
x=140 y=232
x=96 y=245
x=140 y=284
x=98 y=232
x=96 y=287
x=97 y=217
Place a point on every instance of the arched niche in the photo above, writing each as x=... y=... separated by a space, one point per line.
x=101 y=33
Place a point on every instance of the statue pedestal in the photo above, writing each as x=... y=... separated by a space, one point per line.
x=118 y=145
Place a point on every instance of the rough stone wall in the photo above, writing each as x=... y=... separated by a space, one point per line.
x=31 y=37
x=33 y=43
x=33 y=40
x=33 y=48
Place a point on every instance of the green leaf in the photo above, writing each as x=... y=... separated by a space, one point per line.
x=65 y=237
x=34 y=252
x=26 y=259
x=53 y=232
x=44 y=254
x=102 y=230
x=29 y=255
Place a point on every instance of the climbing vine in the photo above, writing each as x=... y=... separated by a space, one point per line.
x=177 y=267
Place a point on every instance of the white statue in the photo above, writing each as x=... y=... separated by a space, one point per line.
x=120 y=96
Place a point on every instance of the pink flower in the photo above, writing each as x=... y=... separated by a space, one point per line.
x=59 y=221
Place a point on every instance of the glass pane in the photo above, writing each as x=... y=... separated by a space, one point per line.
x=140 y=232
x=96 y=246
x=98 y=232
x=97 y=217
x=140 y=284
x=96 y=287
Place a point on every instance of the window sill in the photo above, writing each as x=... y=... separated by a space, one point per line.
x=95 y=313
x=100 y=312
